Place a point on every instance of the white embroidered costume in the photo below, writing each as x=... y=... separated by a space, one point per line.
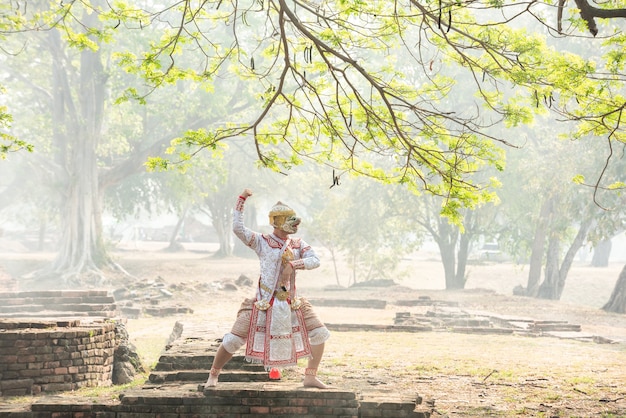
x=277 y=326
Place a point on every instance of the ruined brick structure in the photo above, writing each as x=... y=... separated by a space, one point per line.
x=51 y=356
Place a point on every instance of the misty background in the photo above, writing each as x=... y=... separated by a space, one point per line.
x=85 y=188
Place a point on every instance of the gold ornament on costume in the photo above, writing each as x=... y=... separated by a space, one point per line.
x=262 y=305
x=296 y=304
x=287 y=256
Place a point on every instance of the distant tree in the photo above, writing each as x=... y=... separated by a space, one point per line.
x=25 y=199
x=617 y=301
x=455 y=243
x=219 y=181
x=549 y=213
x=557 y=265
x=601 y=253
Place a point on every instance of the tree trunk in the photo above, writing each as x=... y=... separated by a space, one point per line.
x=617 y=301
x=41 y=239
x=222 y=223
x=554 y=283
x=333 y=257
x=446 y=239
x=353 y=271
x=224 y=235
x=464 y=244
x=548 y=289
x=175 y=245
x=77 y=134
x=601 y=253
x=537 y=249
x=576 y=245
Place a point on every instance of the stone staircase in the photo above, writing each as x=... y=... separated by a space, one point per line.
x=176 y=388
x=245 y=389
x=189 y=354
x=57 y=304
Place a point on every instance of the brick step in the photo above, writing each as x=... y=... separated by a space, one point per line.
x=379 y=327
x=59 y=314
x=554 y=327
x=203 y=375
x=482 y=330
x=192 y=361
x=57 y=303
x=54 y=293
x=58 y=300
x=76 y=307
x=11 y=324
x=350 y=303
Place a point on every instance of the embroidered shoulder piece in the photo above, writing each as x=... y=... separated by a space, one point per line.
x=271 y=241
x=274 y=243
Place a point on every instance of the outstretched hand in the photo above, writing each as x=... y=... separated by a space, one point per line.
x=246 y=193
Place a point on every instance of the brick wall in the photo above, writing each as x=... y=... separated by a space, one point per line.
x=51 y=356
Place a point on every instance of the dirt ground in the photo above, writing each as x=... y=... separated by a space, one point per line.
x=455 y=374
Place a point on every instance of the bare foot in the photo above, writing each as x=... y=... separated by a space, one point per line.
x=313 y=382
x=211 y=381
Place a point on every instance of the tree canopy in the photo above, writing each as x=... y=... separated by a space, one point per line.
x=367 y=86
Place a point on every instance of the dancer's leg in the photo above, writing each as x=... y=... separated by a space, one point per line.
x=221 y=358
x=310 y=374
x=231 y=342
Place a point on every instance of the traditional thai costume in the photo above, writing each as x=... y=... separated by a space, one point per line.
x=277 y=325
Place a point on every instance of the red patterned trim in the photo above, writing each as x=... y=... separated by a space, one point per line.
x=298 y=264
x=280 y=337
x=263 y=356
x=271 y=241
x=295 y=243
x=240 y=203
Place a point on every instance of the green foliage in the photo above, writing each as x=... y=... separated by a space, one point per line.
x=363 y=86
x=310 y=108
x=9 y=143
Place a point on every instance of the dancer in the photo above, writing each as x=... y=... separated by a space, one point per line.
x=277 y=326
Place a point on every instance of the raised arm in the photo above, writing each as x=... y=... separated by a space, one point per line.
x=246 y=235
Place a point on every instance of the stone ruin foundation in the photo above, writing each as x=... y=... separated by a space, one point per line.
x=52 y=356
x=174 y=388
x=38 y=356
x=58 y=341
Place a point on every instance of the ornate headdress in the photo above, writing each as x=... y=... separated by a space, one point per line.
x=283 y=217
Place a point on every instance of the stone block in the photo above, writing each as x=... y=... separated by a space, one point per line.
x=15 y=384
